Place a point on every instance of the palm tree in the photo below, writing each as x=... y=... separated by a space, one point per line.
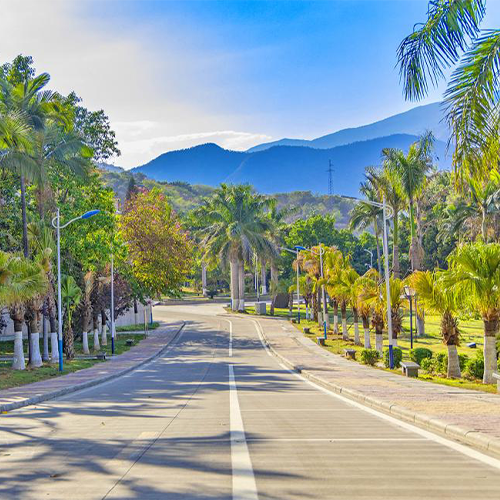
x=234 y=226
x=476 y=275
x=21 y=280
x=361 y=290
x=397 y=294
x=453 y=28
x=309 y=262
x=372 y=296
x=434 y=291
x=71 y=295
x=364 y=214
x=389 y=186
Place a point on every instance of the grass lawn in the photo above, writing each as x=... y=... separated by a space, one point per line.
x=472 y=331
x=15 y=378
x=137 y=328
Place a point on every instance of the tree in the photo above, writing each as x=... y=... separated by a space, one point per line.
x=475 y=274
x=21 y=280
x=434 y=291
x=234 y=225
x=158 y=248
x=363 y=296
x=71 y=295
x=452 y=34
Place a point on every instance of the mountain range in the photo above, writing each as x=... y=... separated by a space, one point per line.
x=297 y=164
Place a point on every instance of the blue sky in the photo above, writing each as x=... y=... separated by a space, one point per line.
x=172 y=74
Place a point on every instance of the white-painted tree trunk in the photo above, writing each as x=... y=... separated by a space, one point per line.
x=394 y=342
x=345 y=331
x=307 y=311
x=54 y=348
x=335 y=323
x=420 y=324
x=356 y=333
x=241 y=286
x=379 y=343
x=36 y=358
x=96 y=340
x=45 y=332
x=204 y=278
x=367 y=342
x=263 y=278
x=18 y=362
x=453 y=362
x=235 y=289
x=104 y=333
x=85 y=342
x=490 y=359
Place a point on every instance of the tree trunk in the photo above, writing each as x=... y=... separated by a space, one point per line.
x=36 y=358
x=366 y=331
x=490 y=350
x=379 y=342
x=104 y=335
x=85 y=342
x=69 y=347
x=24 y=219
x=18 y=363
x=241 y=285
x=420 y=323
x=45 y=332
x=54 y=344
x=355 y=317
x=379 y=262
x=263 y=277
x=395 y=246
x=345 y=332
x=335 y=317
x=136 y=312
x=453 y=362
x=235 y=289
x=96 y=346
x=204 y=279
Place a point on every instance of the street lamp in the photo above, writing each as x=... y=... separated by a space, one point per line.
x=296 y=252
x=410 y=293
x=371 y=256
x=56 y=223
x=387 y=214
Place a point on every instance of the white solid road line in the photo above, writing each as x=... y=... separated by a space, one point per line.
x=463 y=449
x=244 y=487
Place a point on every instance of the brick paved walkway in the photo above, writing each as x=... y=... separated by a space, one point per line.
x=146 y=350
x=469 y=416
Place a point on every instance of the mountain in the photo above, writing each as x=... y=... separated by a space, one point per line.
x=280 y=168
x=109 y=167
x=412 y=122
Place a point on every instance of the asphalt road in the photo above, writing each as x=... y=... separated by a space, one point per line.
x=217 y=417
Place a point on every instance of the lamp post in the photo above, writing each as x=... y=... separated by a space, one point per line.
x=387 y=214
x=296 y=252
x=410 y=293
x=371 y=256
x=56 y=223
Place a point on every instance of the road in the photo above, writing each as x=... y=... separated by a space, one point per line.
x=217 y=417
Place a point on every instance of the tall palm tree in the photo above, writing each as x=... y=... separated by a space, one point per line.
x=365 y=214
x=389 y=186
x=434 y=291
x=373 y=296
x=451 y=35
x=363 y=295
x=397 y=294
x=235 y=225
x=71 y=295
x=475 y=274
x=21 y=280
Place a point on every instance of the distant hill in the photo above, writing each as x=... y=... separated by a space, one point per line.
x=280 y=168
x=412 y=122
x=109 y=167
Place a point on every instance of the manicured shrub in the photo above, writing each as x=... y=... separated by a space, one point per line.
x=427 y=365
x=398 y=357
x=369 y=356
x=463 y=359
x=420 y=353
x=475 y=366
x=440 y=363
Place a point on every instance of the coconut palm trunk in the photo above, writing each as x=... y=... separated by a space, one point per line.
x=335 y=316
x=355 y=317
x=343 y=311
x=54 y=344
x=263 y=277
x=95 y=327
x=104 y=334
x=18 y=363
x=235 y=289
x=46 y=334
x=490 y=350
x=366 y=331
x=36 y=358
x=395 y=245
x=241 y=286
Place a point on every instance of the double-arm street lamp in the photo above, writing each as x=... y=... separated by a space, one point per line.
x=387 y=214
x=56 y=223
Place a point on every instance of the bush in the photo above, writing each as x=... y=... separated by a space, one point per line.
x=436 y=365
x=463 y=359
x=398 y=357
x=427 y=365
x=420 y=353
x=369 y=356
x=475 y=366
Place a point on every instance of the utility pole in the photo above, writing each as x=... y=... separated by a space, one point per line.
x=330 y=177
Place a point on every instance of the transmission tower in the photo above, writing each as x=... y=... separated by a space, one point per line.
x=330 y=177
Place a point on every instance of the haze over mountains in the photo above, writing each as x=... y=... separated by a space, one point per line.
x=297 y=164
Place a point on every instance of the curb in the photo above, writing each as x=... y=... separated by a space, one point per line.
x=85 y=385
x=473 y=438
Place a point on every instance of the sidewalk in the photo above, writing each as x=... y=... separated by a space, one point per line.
x=471 y=417
x=147 y=350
